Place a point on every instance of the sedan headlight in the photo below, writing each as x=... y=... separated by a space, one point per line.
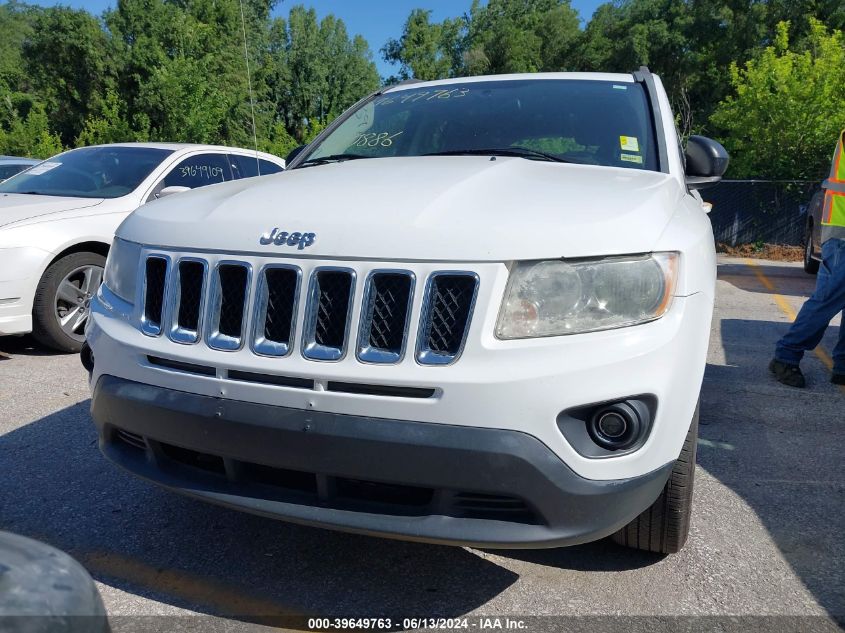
x=122 y=269
x=555 y=297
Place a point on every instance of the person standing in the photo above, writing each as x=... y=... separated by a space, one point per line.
x=829 y=296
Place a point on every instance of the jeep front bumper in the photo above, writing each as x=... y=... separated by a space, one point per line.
x=418 y=481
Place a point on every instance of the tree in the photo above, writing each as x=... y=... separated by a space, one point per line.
x=314 y=72
x=28 y=136
x=516 y=36
x=15 y=27
x=787 y=107
x=502 y=36
x=67 y=57
x=109 y=124
x=423 y=49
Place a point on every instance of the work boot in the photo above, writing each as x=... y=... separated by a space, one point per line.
x=838 y=378
x=787 y=374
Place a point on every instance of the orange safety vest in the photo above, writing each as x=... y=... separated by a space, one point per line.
x=833 y=214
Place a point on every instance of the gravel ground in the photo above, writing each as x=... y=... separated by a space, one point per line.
x=766 y=536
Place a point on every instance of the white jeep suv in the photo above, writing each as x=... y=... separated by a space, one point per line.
x=57 y=220
x=472 y=311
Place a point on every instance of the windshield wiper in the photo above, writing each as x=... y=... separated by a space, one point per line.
x=331 y=158
x=520 y=152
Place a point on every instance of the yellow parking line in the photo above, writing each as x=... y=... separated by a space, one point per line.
x=787 y=309
x=190 y=588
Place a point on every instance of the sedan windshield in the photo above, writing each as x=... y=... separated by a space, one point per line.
x=89 y=172
x=561 y=120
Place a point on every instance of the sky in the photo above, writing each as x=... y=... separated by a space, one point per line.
x=376 y=20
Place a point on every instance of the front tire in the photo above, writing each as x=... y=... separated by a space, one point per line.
x=811 y=266
x=62 y=300
x=663 y=528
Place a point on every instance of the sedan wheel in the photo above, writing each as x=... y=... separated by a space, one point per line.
x=73 y=299
x=63 y=300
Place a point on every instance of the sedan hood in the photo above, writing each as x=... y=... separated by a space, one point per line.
x=15 y=207
x=455 y=208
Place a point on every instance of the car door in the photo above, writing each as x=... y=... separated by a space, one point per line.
x=197 y=170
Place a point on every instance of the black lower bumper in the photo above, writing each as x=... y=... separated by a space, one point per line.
x=411 y=480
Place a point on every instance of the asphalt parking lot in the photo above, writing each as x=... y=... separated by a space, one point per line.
x=766 y=539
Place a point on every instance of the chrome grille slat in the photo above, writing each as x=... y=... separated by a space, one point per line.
x=329 y=309
x=156 y=269
x=190 y=281
x=446 y=316
x=385 y=316
x=196 y=299
x=227 y=307
x=275 y=310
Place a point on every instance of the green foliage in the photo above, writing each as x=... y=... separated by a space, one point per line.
x=503 y=36
x=175 y=71
x=108 y=125
x=423 y=51
x=29 y=136
x=66 y=59
x=787 y=107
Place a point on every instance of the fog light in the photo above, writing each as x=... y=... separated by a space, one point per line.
x=612 y=425
x=615 y=426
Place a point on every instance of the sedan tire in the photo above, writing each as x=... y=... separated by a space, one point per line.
x=62 y=300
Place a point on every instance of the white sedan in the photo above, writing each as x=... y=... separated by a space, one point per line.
x=57 y=222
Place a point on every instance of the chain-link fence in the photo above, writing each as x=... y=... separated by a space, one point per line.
x=769 y=211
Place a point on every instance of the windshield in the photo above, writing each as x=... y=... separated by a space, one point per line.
x=578 y=121
x=89 y=172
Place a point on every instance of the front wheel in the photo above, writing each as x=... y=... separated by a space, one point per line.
x=664 y=527
x=63 y=298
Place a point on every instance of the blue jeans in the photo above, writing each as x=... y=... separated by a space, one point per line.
x=816 y=313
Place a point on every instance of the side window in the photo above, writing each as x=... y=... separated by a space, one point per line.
x=268 y=168
x=247 y=166
x=196 y=171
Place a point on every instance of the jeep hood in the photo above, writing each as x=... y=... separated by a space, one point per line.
x=450 y=208
x=16 y=207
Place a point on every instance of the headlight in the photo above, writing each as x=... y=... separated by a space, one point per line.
x=554 y=297
x=122 y=269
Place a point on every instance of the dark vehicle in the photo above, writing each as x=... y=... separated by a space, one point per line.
x=812 y=233
x=11 y=165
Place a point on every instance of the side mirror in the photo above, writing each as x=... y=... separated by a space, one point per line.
x=169 y=191
x=296 y=151
x=706 y=162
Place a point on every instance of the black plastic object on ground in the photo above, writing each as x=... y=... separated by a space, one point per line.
x=43 y=590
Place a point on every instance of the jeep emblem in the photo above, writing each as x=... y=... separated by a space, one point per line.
x=283 y=238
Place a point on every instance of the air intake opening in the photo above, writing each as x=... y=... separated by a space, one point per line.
x=380 y=390
x=194 y=459
x=388 y=494
x=190 y=368
x=156 y=275
x=271 y=379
